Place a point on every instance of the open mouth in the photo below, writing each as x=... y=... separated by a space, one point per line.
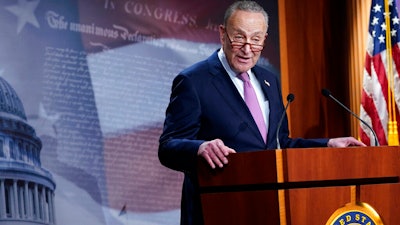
x=242 y=59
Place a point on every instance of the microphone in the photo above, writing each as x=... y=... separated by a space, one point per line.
x=327 y=94
x=289 y=99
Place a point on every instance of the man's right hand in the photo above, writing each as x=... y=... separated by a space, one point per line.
x=215 y=152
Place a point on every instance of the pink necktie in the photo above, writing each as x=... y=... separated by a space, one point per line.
x=250 y=98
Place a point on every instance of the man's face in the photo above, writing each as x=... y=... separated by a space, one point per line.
x=243 y=27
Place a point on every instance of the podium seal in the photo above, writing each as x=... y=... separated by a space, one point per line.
x=355 y=214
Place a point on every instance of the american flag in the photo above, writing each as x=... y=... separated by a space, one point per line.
x=375 y=100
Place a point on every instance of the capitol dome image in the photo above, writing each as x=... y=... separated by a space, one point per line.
x=26 y=189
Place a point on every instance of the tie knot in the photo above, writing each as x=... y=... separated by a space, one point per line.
x=244 y=77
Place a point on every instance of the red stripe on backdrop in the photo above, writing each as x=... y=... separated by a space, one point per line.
x=135 y=178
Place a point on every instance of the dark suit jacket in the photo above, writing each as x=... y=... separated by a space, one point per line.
x=205 y=105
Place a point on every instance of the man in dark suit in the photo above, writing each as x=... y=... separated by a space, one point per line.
x=207 y=116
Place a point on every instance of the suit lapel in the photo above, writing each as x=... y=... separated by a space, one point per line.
x=224 y=85
x=270 y=91
x=264 y=83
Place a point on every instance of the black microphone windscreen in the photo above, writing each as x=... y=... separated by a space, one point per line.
x=290 y=97
x=326 y=92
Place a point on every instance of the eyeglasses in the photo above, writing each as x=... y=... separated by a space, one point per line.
x=238 y=43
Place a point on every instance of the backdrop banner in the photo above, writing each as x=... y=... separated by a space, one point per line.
x=94 y=78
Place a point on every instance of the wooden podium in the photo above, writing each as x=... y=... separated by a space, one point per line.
x=300 y=186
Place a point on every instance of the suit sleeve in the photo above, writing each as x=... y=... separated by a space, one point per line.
x=177 y=144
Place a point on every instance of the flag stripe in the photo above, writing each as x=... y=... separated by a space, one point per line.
x=377 y=126
x=365 y=133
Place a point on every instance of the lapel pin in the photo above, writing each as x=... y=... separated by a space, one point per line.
x=267 y=83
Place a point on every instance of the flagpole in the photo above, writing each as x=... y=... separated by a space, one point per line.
x=393 y=137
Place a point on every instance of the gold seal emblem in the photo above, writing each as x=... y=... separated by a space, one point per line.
x=355 y=214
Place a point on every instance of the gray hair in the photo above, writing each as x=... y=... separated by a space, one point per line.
x=249 y=6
